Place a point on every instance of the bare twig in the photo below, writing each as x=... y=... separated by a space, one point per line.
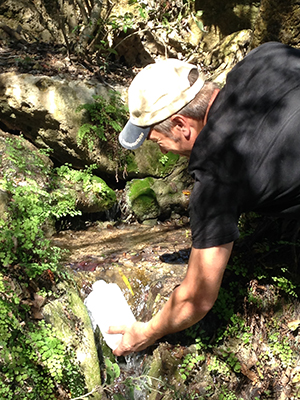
x=98 y=389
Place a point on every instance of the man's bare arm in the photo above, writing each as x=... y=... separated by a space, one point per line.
x=188 y=304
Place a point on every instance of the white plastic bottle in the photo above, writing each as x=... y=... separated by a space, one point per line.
x=107 y=307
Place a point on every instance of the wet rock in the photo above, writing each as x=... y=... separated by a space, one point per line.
x=158 y=293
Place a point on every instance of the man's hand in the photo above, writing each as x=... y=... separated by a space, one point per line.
x=135 y=338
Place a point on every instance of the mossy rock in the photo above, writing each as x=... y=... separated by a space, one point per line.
x=94 y=197
x=152 y=198
x=69 y=317
x=142 y=199
x=148 y=160
x=100 y=196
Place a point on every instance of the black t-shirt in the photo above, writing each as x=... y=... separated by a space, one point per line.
x=247 y=157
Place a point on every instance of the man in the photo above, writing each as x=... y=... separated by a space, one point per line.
x=244 y=147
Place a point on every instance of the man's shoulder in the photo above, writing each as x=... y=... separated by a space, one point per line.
x=268 y=46
x=265 y=69
x=272 y=53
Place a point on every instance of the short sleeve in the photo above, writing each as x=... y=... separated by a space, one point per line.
x=214 y=214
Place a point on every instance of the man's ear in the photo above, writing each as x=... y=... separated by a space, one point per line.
x=181 y=125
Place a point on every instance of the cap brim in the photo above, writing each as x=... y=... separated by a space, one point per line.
x=133 y=136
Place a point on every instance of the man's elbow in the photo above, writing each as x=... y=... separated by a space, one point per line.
x=203 y=307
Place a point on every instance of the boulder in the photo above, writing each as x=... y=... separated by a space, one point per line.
x=226 y=54
x=44 y=109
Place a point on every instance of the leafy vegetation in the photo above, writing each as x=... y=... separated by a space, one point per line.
x=34 y=362
x=106 y=119
x=30 y=207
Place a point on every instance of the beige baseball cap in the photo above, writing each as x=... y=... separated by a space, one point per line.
x=156 y=93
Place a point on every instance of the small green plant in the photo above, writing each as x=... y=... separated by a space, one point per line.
x=192 y=360
x=219 y=367
x=22 y=239
x=167 y=162
x=281 y=348
x=237 y=266
x=237 y=328
x=285 y=285
x=124 y=21
x=106 y=119
x=164 y=159
x=227 y=394
x=112 y=371
x=231 y=360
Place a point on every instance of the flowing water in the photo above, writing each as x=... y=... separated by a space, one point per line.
x=134 y=256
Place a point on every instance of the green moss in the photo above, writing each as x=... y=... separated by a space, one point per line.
x=143 y=198
x=145 y=206
x=107 y=195
x=90 y=192
x=131 y=165
x=141 y=187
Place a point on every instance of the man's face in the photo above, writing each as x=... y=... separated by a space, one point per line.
x=166 y=142
x=174 y=142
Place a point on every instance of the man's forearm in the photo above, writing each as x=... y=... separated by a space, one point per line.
x=191 y=301
x=177 y=314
